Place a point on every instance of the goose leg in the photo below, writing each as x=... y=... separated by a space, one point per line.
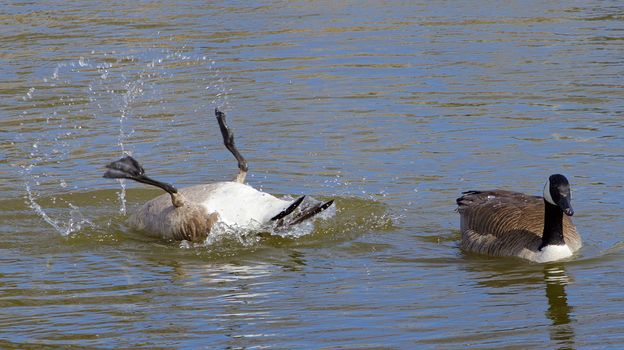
x=228 y=141
x=129 y=168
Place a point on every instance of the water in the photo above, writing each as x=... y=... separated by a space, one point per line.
x=391 y=108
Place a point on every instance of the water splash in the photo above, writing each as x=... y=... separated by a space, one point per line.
x=251 y=235
x=48 y=152
x=75 y=222
x=348 y=218
x=32 y=203
x=121 y=195
x=134 y=89
x=90 y=90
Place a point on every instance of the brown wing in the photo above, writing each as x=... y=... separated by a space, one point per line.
x=499 y=222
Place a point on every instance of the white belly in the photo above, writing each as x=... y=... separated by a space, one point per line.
x=241 y=205
x=553 y=253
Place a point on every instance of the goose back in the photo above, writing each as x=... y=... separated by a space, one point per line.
x=506 y=223
x=159 y=218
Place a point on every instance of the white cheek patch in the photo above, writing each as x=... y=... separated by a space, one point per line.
x=547 y=195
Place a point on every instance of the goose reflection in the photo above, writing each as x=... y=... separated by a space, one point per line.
x=561 y=331
x=505 y=277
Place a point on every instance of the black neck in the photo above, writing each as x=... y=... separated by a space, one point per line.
x=553 y=226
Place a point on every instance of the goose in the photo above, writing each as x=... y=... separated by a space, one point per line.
x=190 y=213
x=506 y=223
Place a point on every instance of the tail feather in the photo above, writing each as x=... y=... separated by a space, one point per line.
x=288 y=210
x=309 y=213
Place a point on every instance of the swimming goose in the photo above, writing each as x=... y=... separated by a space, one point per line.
x=505 y=223
x=190 y=213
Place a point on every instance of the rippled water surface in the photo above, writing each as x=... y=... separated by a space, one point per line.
x=391 y=108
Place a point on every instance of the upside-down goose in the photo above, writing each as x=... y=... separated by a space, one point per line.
x=190 y=213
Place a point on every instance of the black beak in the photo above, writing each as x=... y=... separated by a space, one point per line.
x=566 y=207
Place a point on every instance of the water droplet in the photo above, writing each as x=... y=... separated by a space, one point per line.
x=29 y=94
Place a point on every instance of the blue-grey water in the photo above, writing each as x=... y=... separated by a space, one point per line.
x=392 y=108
